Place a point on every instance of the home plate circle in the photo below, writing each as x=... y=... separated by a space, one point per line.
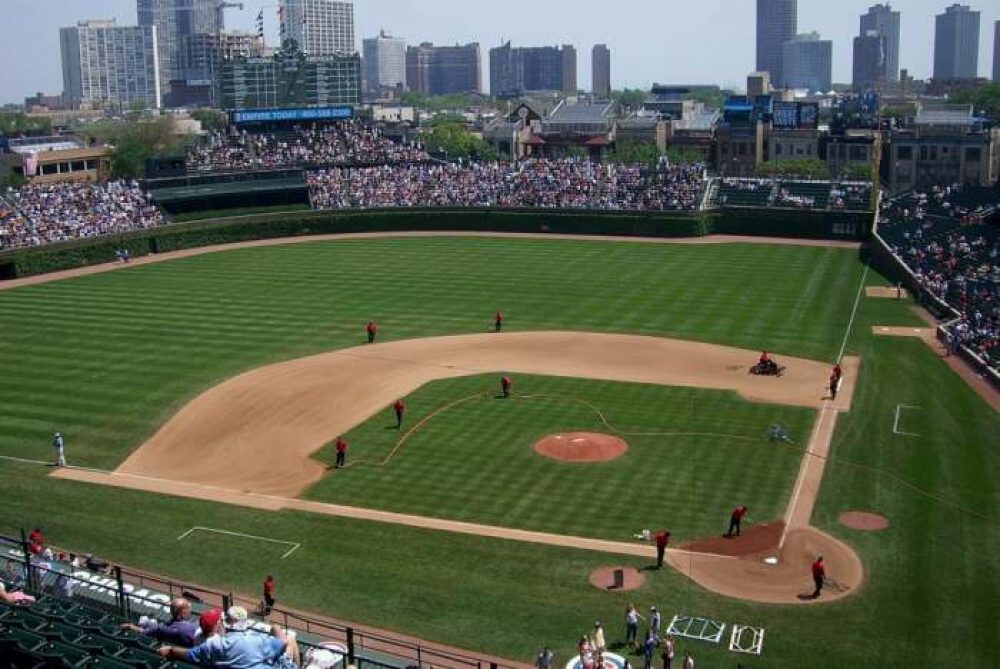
x=581 y=447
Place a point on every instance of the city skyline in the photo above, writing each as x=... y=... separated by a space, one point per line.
x=641 y=54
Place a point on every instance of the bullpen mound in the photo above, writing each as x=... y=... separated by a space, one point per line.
x=581 y=447
x=604 y=578
x=863 y=520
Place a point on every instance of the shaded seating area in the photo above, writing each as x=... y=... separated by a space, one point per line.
x=745 y=192
x=802 y=194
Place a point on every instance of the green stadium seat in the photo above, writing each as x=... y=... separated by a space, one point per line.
x=86 y=623
x=99 y=645
x=141 y=659
x=105 y=663
x=25 y=620
x=129 y=638
x=61 y=654
x=21 y=637
x=57 y=631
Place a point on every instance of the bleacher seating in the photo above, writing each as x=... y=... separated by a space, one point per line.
x=745 y=192
x=802 y=194
x=58 y=633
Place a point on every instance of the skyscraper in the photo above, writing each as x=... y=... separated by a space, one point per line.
x=514 y=70
x=600 y=67
x=174 y=20
x=807 y=62
x=106 y=64
x=384 y=61
x=996 y=52
x=321 y=27
x=777 y=23
x=881 y=19
x=869 y=61
x=956 y=43
x=440 y=70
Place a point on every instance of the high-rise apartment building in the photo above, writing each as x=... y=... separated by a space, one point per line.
x=321 y=27
x=202 y=53
x=881 y=19
x=105 y=64
x=174 y=21
x=807 y=62
x=996 y=52
x=384 y=60
x=441 y=70
x=869 y=71
x=956 y=43
x=600 y=68
x=515 y=70
x=777 y=23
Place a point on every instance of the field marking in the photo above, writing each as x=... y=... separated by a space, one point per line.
x=895 y=423
x=47 y=463
x=294 y=545
x=854 y=312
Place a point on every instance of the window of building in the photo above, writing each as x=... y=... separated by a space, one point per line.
x=973 y=154
x=777 y=148
x=904 y=153
x=77 y=166
x=50 y=168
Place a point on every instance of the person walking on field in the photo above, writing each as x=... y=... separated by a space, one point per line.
x=341 y=447
x=268 y=595
x=399 y=408
x=632 y=619
x=505 y=384
x=819 y=576
x=498 y=321
x=371 y=329
x=834 y=383
x=736 y=520
x=59 y=446
x=667 y=652
x=662 y=539
x=688 y=662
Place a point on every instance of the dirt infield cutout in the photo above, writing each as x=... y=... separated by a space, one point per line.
x=885 y=292
x=865 y=521
x=581 y=447
x=604 y=579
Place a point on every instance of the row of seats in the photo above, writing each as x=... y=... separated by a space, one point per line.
x=57 y=633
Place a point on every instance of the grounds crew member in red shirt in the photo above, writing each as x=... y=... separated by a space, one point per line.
x=736 y=520
x=498 y=321
x=834 y=382
x=819 y=575
x=36 y=542
x=505 y=383
x=662 y=538
x=398 y=407
x=371 y=328
x=341 y=447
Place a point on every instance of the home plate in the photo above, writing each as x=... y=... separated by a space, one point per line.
x=771 y=560
x=577 y=441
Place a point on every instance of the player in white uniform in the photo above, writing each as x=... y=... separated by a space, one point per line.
x=58 y=445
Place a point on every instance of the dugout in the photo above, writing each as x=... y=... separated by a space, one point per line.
x=217 y=192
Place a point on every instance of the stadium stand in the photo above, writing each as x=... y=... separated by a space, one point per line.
x=949 y=240
x=792 y=194
x=802 y=194
x=734 y=192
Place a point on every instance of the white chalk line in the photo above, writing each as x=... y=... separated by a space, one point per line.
x=854 y=313
x=294 y=545
x=895 y=423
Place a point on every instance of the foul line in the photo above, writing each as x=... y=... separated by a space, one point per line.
x=895 y=423
x=294 y=545
x=854 y=312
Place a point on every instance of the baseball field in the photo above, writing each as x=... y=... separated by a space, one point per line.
x=234 y=371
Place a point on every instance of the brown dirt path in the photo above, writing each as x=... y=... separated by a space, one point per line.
x=187 y=253
x=255 y=432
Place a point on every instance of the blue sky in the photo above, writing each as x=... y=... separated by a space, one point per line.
x=667 y=41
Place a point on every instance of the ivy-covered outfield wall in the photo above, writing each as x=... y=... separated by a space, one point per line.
x=764 y=222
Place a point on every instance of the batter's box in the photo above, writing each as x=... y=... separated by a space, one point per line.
x=700 y=629
x=746 y=639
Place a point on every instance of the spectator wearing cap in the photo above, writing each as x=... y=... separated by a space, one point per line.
x=209 y=624
x=180 y=631
x=239 y=647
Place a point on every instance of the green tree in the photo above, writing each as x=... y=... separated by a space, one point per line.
x=809 y=168
x=136 y=141
x=454 y=141
x=634 y=151
x=629 y=97
x=984 y=99
x=22 y=124
x=680 y=154
x=211 y=119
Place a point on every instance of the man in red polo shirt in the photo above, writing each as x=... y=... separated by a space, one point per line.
x=498 y=321
x=662 y=538
x=399 y=408
x=371 y=329
x=819 y=575
x=36 y=542
x=505 y=384
x=341 y=447
x=736 y=520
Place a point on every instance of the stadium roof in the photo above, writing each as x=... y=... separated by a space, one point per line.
x=701 y=120
x=945 y=115
x=582 y=112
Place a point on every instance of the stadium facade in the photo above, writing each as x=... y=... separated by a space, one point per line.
x=105 y=64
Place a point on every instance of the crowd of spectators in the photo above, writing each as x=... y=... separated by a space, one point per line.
x=946 y=239
x=341 y=143
x=765 y=191
x=39 y=214
x=784 y=197
x=543 y=183
x=850 y=196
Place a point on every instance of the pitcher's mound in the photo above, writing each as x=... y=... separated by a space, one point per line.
x=863 y=520
x=581 y=447
x=604 y=578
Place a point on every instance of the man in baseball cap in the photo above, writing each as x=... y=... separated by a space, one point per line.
x=238 y=647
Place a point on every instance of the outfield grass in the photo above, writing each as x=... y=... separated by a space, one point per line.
x=693 y=455
x=106 y=358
